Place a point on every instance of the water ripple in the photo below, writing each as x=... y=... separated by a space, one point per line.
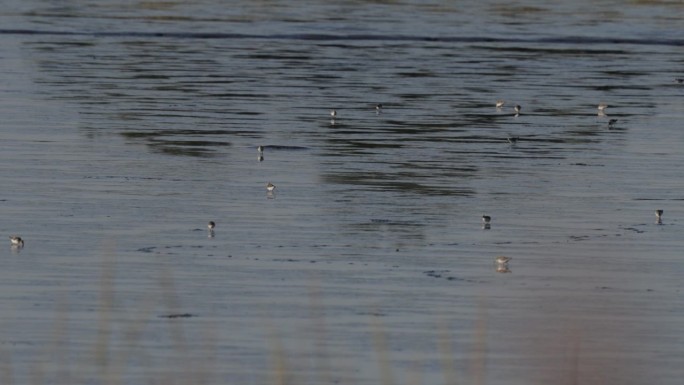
x=573 y=40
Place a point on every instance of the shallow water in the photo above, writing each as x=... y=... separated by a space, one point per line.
x=127 y=128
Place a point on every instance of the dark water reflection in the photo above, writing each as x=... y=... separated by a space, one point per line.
x=128 y=127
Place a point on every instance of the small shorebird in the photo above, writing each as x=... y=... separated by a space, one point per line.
x=602 y=107
x=270 y=187
x=260 y=149
x=517 y=109
x=501 y=260
x=16 y=241
x=611 y=123
x=378 y=108
x=500 y=103
x=512 y=139
x=486 y=219
x=679 y=80
x=211 y=225
x=333 y=114
x=659 y=215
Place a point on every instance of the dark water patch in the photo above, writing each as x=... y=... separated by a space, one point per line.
x=473 y=139
x=436 y=273
x=618 y=87
x=326 y=76
x=546 y=51
x=149 y=76
x=389 y=222
x=402 y=126
x=392 y=182
x=509 y=69
x=579 y=237
x=343 y=129
x=588 y=132
x=181 y=151
x=415 y=96
x=624 y=73
x=178 y=132
x=372 y=145
x=634 y=229
x=570 y=40
x=288 y=260
x=185 y=147
x=439 y=167
x=372 y=314
x=444 y=274
x=284 y=148
x=486 y=117
x=422 y=189
x=380 y=221
x=282 y=55
x=242 y=96
x=417 y=74
x=129 y=178
x=658 y=199
x=177 y=315
x=548 y=140
x=190 y=143
x=162 y=138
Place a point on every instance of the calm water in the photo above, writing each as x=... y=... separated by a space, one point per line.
x=126 y=128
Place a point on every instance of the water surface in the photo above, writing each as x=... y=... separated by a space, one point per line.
x=127 y=128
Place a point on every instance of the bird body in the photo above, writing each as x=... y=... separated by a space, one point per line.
x=211 y=225
x=486 y=219
x=16 y=241
x=659 y=216
x=270 y=187
x=500 y=103
x=501 y=260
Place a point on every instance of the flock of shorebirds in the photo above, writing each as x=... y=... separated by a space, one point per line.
x=270 y=187
x=517 y=108
x=500 y=261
